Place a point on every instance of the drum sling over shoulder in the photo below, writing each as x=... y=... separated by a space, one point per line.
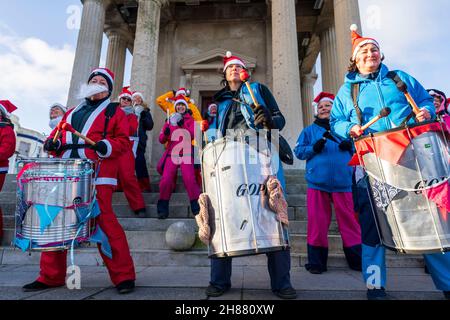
x=109 y=113
x=354 y=90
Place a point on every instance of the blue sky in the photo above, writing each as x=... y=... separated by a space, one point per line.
x=38 y=41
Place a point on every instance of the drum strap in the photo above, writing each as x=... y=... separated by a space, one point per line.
x=355 y=93
x=109 y=113
x=65 y=147
x=394 y=77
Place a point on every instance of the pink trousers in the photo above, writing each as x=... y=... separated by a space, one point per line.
x=166 y=185
x=319 y=218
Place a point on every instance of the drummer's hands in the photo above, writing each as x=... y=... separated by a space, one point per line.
x=356 y=131
x=423 y=115
x=49 y=145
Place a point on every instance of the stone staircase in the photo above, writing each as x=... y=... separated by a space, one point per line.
x=146 y=236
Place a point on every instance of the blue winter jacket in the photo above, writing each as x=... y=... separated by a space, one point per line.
x=328 y=170
x=224 y=102
x=375 y=94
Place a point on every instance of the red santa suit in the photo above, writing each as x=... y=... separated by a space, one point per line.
x=7 y=146
x=127 y=176
x=120 y=267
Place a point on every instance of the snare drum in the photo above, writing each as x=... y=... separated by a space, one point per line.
x=234 y=176
x=408 y=171
x=53 y=198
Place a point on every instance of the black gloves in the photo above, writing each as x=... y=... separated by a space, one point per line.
x=262 y=116
x=319 y=145
x=167 y=131
x=101 y=147
x=49 y=145
x=346 y=145
x=328 y=135
x=180 y=122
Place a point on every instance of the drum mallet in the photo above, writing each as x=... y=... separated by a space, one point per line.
x=58 y=131
x=402 y=87
x=69 y=128
x=383 y=113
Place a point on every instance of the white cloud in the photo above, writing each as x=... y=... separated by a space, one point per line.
x=34 y=75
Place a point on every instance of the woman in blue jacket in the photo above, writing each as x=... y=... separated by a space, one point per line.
x=376 y=89
x=329 y=181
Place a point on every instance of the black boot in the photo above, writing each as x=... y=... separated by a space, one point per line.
x=35 y=286
x=195 y=208
x=317 y=259
x=353 y=257
x=126 y=286
x=163 y=209
x=141 y=212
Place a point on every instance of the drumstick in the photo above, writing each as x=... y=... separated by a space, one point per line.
x=244 y=76
x=69 y=128
x=383 y=113
x=402 y=87
x=58 y=131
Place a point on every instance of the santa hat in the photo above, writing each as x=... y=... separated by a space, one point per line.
x=182 y=91
x=137 y=94
x=323 y=96
x=180 y=99
x=358 y=41
x=125 y=93
x=59 y=106
x=105 y=73
x=7 y=107
x=230 y=59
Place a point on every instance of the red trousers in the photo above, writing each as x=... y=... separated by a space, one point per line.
x=128 y=181
x=2 y=180
x=120 y=267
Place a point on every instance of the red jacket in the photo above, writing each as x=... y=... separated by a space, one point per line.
x=7 y=146
x=117 y=140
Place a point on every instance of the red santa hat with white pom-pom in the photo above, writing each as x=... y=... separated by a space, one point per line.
x=126 y=93
x=323 y=96
x=229 y=59
x=359 y=41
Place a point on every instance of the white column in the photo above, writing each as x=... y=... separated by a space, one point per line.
x=307 y=87
x=346 y=12
x=145 y=54
x=286 y=75
x=89 y=46
x=331 y=79
x=115 y=58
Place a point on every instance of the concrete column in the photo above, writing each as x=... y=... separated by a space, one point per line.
x=286 y=75
x=307 y=88
x=115 y=58
x=89 y=46
x=346 y=12
x=331 y=79
x=145 y=54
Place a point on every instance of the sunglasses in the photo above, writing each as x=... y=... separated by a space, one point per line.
x=126 y=99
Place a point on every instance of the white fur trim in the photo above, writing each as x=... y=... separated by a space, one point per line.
x=180 y=92
x=228 y=54
x=108 y=148
x=125 y=95
x=107 y=181
x=234 y=61
x=353 y=27
x=326 y=99
x=137 y=94
x=362 y=43
x=4 y=169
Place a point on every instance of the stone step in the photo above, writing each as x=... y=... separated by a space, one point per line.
x=151 y=240
x=194 y=258
x=294 y=200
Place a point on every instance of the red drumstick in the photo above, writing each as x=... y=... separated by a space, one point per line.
x=66 y=126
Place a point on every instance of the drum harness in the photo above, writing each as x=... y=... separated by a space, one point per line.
x=354 y=91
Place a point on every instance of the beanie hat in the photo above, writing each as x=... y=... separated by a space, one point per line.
x=59 y=106
x=137 y=94
x=438 y=93
x=323 y=96
x=230 y=59
x=7 y=107
x=105 y=73
x=358 y=41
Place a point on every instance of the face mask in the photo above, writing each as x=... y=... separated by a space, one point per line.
x=128 y=110
x=54 y=122
x=89 y=90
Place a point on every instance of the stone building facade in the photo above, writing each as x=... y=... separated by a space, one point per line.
x=181 y=43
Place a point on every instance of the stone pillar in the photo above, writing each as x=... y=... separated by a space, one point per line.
x=307 y=86
x=286 y=74
x=89 y=46
x=145 y=54
x=331 y=79
x=346 y=12
x=115 y=58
